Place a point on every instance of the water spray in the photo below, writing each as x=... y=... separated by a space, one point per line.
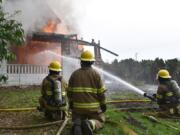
x=74 y=61
x=141 y=92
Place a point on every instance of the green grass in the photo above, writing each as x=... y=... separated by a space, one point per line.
x=15 y=97
x=145 y=126
x=116 y=120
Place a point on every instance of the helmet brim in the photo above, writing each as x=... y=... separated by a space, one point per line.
x=165 y=77
x=82 y=59
x=53 y=69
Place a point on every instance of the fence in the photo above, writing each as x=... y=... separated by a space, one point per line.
x=23 y=74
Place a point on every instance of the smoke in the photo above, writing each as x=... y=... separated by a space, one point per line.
x=35 y=13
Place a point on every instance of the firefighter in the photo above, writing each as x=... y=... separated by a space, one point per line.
x=53 y=91
x=168 y=93
x=86 y=94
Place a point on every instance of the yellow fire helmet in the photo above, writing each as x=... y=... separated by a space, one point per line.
x=55 y=66
x=163 y=73
x=87 y=56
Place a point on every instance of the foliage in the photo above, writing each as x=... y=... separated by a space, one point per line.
x=3 y=78
x=11 y=33
x=144 y=71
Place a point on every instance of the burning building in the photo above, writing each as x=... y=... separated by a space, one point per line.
x=51 y=40
x=43 y=52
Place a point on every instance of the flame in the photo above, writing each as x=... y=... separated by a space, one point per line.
x=50 y=27
x=32 y=52
x=53 y=26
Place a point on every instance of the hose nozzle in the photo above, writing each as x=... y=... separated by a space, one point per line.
x=145 y=94
x=151 y=97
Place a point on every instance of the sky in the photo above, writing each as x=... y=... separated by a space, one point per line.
x=148 y=28
x=142 y=29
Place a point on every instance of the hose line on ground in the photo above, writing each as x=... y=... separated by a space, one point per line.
x=128 y=101
x=62 y=126
x=109 y=102
x=31 y=126
x=18 y=109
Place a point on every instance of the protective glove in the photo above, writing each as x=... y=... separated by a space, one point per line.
x=103 y=107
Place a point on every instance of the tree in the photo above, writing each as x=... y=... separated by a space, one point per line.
x=173 y=68
x=11 y=33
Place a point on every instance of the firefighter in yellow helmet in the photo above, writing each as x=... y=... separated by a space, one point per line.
x=86 y=94
x=53 y=99
x=168 y=93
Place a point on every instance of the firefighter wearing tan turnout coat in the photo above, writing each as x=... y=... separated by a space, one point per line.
x=53 y=99
x=86 y=94
x=168 y=93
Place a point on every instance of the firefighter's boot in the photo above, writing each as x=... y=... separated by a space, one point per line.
x=87 y=128
x=76 y=129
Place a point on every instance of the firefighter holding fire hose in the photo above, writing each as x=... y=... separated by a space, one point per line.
x=168 y=93
x=53 y=99
x=86 y=94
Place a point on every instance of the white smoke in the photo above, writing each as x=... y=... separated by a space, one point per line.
x=35 y=13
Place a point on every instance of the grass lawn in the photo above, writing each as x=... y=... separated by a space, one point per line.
x=14 y=97
x=139 y=124
x=118 y=122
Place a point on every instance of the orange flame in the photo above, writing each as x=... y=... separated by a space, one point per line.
x=50 y=27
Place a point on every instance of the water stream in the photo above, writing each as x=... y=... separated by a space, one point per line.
x=130 y=86
x=71 y=64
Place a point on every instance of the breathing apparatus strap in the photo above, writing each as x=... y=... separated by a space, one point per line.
x=52 y=85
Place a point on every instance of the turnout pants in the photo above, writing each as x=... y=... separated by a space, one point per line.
x=96 y=119
x=173 y=109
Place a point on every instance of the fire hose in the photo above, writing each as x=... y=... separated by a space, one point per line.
x=128 y=101
x=18 y=109
x=62 y=126
x=109 y=102
x=64 y=123
x=31 y=126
